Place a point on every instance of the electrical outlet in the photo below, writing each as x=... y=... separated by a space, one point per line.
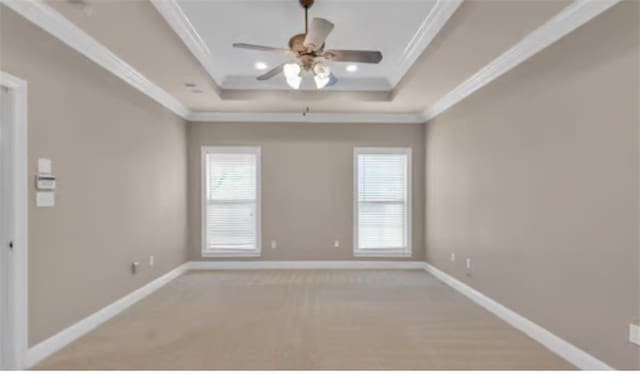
x=453 y=257
x=634 y=334
x=135 y=267
x=336 y=243
x=152 y=261
x=274 y=244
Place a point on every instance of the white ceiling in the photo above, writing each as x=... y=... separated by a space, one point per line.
x=391 y=26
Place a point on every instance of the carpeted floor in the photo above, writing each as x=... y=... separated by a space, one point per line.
x=305 y=319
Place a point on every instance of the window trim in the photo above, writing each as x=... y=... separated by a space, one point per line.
x=230 y=252
x=382 y=252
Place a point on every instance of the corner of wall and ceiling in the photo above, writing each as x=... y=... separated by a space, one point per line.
x=570 y=18
x=576 y=14
x=47 y=18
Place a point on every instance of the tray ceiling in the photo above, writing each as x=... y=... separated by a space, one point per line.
x=476 y=33
x=391 y=26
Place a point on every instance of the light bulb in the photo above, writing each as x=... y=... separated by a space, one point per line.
x=294 y=81
x=291 y=70
x=321 y=70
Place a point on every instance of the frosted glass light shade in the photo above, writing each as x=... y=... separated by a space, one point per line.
x=321 y=81
x=291 y=70
x=294 y=81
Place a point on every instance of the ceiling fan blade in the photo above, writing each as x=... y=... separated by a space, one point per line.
x=259 y=47
x=318 y=31
x=356 y=56
x=271 y=73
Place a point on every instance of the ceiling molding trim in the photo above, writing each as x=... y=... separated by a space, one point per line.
x=173 y=14
x=429 y=28
x=388 y=118
x=569 y=19
x=58 y=26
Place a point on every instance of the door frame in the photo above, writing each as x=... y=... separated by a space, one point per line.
x=18 y=319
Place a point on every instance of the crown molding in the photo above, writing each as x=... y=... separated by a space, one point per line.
x=388 y=118
x=570 y=18
x=429 y=28
x=173 y=14
x=58 y=26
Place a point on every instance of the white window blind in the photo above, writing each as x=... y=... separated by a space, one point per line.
x=382 y=201
x=231 y=195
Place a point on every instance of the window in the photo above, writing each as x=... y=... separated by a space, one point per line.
x=231 y=201
x=382 y=191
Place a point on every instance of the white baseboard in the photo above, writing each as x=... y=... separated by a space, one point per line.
x=354 y=264
x=562 y=348
x=58 y=341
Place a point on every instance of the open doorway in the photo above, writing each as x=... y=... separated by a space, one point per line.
x=13 y=222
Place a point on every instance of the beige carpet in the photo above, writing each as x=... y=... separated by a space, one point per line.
x=305 y=319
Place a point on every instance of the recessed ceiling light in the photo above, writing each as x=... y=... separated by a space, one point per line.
x=260 y=65
x=352 y=68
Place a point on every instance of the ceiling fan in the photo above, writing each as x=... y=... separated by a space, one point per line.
x=310 y=55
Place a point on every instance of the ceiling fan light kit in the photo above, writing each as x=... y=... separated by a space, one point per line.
x=308 y=49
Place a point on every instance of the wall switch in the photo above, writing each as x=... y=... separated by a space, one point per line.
x=634 y=334
x=45 y=199
x=274 y=244
x=336 y=243
x=135 y=267
x=453 y=257
x=152 y=260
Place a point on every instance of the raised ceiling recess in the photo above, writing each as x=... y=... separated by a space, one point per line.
x=399 y=29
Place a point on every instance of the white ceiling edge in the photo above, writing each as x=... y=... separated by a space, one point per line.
x=570 y=18
x=433 y=22
x=388 y=118
x=60 y=27
x=429 y=28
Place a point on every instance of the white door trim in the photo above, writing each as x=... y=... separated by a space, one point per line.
x=18 y=258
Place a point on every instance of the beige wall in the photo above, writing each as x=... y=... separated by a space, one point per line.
x=535 y=177
x=307 y=183
x=120 y=161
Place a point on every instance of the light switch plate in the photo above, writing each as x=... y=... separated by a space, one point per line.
x=45 y=199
